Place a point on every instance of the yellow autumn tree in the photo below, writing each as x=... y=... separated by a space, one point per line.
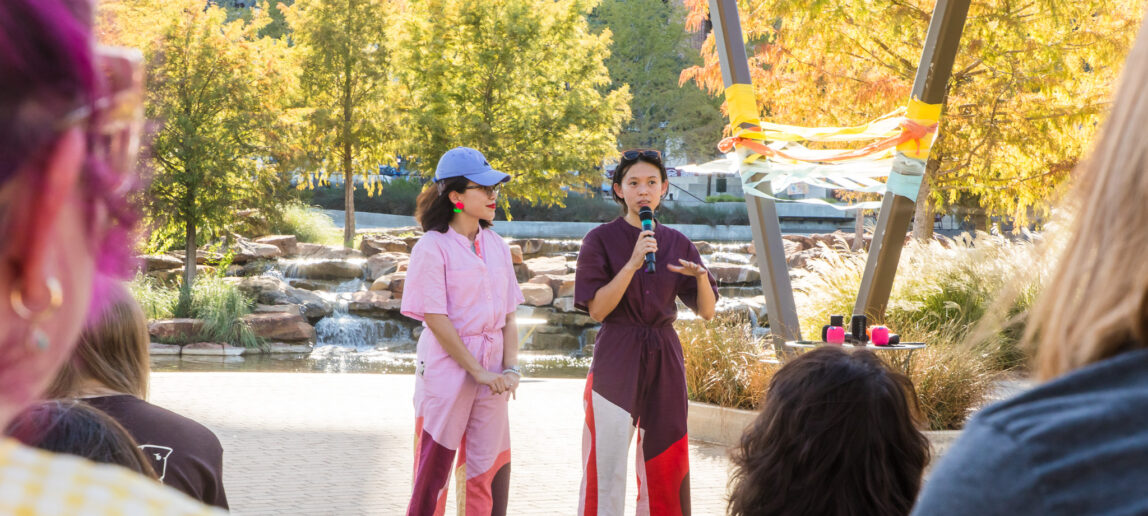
x=1030 y=84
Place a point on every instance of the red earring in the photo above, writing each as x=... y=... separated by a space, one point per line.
x=458 y=207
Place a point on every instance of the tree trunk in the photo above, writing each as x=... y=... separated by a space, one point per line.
x=348 y=200
x=859 y=231
x=190 y=259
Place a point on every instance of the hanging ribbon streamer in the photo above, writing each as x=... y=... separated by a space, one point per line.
x=904 y=140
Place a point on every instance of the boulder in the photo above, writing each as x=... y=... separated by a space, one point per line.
x=398 y=280
x=751 y=308
x=288 y=347
x=280 y=326
x=537 y=294
x=383 y=263
x=803 y=242
x=245 y=250
x=555 y=341
x=211 y=349
x=563 y=285
x=328 y=252
x=521 y=272
x=288 y=244
x=313 y=306
x=326 y=268
x=565 y=304
x=371 y=302
x=382 y=283
x=554 y=265
x=156 y=348
x=734 y=273
x=531 y=245
x=272 y=309
x=374 y=244
x=801 y=259
x=160 y=262
x=571 y=319
x=308 y=285
x=704 y=247
x=515 y=253
x=175 y=329
x=273 y=291
x=724 y=257
x=234 y=270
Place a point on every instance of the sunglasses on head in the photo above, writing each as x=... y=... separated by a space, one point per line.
x=634 y=154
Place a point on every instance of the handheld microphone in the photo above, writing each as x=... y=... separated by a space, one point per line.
x=646 y=215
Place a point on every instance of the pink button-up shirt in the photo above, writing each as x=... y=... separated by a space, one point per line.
x=445 y=276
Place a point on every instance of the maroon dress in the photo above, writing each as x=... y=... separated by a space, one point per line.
x=637 y=377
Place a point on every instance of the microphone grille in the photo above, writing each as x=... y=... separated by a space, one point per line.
x=645 y=213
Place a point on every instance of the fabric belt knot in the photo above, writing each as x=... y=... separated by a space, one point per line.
x=485 y=352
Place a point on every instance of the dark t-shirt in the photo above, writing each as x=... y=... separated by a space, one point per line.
x=1077 y=445
x=186 y=455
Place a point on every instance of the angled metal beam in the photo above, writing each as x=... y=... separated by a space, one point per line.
x=929 y=87
x=762 y=212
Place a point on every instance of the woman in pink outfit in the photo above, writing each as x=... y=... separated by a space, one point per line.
x=461 y=285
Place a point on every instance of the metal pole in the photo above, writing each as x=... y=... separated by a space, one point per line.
x=762 y=212
x=929 y=87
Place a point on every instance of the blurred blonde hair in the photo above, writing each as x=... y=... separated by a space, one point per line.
x=113 y=350
x=1095 y=304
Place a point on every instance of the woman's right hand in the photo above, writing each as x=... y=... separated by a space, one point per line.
x=495 y=381
x=645 y=244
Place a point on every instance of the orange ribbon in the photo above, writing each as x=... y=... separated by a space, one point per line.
x=910 y=131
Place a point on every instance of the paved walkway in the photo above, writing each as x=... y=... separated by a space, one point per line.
x=298 y=443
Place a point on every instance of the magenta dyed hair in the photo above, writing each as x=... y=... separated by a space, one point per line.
x=48 y=70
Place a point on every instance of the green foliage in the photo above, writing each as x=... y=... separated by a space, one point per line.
x=217 y=302
x=650 y=48
x=520 y=80
x=724 y=198
x=221 y=305
x=346 y=118
x=156 y=300
x=307 y=223
x=211 y=84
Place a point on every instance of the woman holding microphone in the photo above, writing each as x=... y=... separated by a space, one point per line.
x=461 y=284
x=637 y=377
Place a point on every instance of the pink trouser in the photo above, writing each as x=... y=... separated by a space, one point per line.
x=455 y=413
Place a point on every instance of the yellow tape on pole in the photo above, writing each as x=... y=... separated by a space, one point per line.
x=926 y=115
x=741 y=104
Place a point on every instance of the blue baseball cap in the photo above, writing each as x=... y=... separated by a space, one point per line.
x=469 y=163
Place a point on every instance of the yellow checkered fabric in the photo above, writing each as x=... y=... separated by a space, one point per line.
x=34 y=482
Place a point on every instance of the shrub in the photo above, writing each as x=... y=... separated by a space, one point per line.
x=221 y=305
x=725 y=364
x=942 y=287
x=156 y=300
x=218 y=303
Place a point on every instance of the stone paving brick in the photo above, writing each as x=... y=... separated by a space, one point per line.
x=302 y=443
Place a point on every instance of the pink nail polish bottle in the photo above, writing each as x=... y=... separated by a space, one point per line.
x=880 y=336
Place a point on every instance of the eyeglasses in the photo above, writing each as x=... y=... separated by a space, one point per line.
x=491 y=191
x=634 y=154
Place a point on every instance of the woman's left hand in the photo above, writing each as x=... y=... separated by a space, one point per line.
x=512 y=384
x=688 y=268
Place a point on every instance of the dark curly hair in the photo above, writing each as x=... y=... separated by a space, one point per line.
x=837 y=436
x=433 y=209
